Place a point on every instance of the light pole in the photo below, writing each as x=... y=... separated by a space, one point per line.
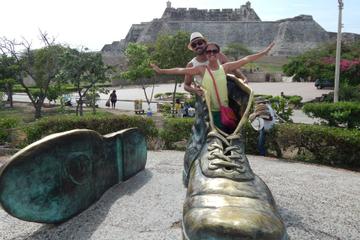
x=338 y=53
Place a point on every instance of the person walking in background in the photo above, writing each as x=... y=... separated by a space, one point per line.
x=113 y=99
x=197 y=45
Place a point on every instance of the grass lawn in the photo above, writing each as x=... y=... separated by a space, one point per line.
x=270 y=64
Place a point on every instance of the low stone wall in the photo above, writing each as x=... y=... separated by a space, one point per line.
x=252 y=77
x=264 y=77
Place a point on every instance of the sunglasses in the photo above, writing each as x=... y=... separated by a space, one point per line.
x=197 y=43
x=212 y=51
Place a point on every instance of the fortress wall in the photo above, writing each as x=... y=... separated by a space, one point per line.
x=295 y=37
x=291 y=37
x=264 y=77
x=244 y=13
x=346 y=37
x=135 y=31
x=115 y=48
x=254 y=35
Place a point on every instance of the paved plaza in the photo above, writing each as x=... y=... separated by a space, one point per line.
x=316 y=203
x=306 y=90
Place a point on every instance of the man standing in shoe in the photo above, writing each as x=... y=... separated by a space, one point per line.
x=197 y=45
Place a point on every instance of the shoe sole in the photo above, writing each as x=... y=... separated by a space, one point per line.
x=61 y=175
x=184 y=235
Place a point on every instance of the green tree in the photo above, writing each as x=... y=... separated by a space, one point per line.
x=9 y=72
x=171 y=51
x=138 y=67
x=42 y=65
x=236 y=50
x=319 y=63
x=85 y=70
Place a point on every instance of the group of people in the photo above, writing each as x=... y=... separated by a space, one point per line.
x=183 y=110
x=208 y=67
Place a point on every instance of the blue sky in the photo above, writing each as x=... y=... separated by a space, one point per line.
x=93 y=23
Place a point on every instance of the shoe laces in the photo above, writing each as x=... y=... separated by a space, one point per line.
x=229 y=159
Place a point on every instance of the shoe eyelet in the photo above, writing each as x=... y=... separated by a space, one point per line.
x=212 y=166
x=228 y=169
x=241 y=169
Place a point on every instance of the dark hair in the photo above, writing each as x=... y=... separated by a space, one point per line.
x=212 y=43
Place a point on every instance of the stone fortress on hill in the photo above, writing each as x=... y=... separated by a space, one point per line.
x=292 y=35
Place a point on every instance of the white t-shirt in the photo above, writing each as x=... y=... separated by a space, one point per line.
x=195 y=63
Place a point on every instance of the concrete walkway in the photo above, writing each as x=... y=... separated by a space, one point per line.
x=316 y=202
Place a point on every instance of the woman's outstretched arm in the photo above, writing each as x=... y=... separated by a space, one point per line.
x=178 y=71
x=231 y=66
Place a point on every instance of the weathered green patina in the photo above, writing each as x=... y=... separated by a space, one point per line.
x=61 y=175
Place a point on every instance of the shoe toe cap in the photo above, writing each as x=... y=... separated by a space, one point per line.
x=233 y=223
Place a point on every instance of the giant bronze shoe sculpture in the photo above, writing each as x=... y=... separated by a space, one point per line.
x=225 y=199
x=61 y=175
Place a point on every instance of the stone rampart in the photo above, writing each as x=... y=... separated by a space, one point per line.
x=292 y=35
x=264 y=77
x=245 y=13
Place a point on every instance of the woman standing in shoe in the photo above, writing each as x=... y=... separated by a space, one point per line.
x=218 y=72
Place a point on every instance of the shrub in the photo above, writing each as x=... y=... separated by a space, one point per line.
x=321 y=144
x=251 y=141
x=336 y=114
x=102 y=124
x=349 y=92
x=191 y=101
x=312 y=143
x=294 y=100
x=5 y=125
x=2 y=103
x=281 y=107
x=318 y=144
x=158 y=95
x=164 y=107
x=175 y=130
